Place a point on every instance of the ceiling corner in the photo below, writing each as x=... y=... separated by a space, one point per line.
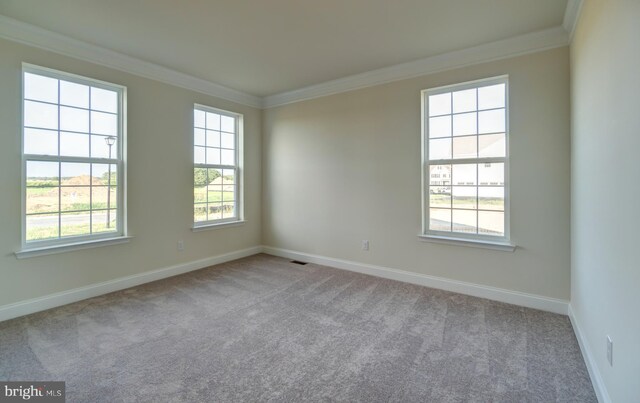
x=571 y=16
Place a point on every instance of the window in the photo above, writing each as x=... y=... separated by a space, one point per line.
x=216 y=174
x=72 y=153
x=465 y=161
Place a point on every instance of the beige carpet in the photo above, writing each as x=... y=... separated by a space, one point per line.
x=264 y=329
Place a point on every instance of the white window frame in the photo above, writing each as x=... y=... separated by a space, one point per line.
x=41 y=247
x=238 y=119
x=459 y=238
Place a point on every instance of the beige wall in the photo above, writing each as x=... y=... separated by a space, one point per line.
x=159 y=184
x=605 y=276
x=344 y=168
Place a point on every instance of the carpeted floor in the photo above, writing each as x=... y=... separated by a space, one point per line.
x=264 y=329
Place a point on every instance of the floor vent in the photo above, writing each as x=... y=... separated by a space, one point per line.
x=298 y=262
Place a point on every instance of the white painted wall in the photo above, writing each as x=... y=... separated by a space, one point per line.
x=605 y=275
x=344 y=168
x=160 y=189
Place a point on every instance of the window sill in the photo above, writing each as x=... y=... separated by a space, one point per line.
x=218 y=226
x=474 y=243
x=54 y=249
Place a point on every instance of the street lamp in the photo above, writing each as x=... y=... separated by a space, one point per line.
x=110 y=141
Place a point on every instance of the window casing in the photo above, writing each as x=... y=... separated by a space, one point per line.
x=466 y=161
x=217 y=175
x=72 y=159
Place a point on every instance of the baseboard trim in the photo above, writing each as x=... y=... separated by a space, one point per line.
x=592 y=367
x=26 y=307
x=497 y=294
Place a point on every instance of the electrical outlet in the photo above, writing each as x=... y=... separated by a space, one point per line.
x=181 y=245
x=609 y=350
x=365 y=245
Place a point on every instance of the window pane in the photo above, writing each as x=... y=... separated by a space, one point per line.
x=440 y=175
x=75 y=198
x=491 y=174
x=113 y=180
x=464 y=174
x=99 y=197
x=439 y=196
x=465 y=124
x=199 y=194
x=213 y=156
x=491 y=97
x=41 y=173
x=198 y=137
x=229 y=176
x=440 y=104
x=74 y=119
x=198 y=155
x=214 y=176
x=214 y=191
x=104 y=123
x=440 y=127
x=213 y=138
x=43 y=142
x=40 y=88
x=75 y=173
x=42 y=200
x=464 y=101
x=200 y=212
x=464 y=197
x=99 y=221
x=464 y=221
x=104 y=197
x=74 y=144
x=491 y=198
x=214 y=188
x=227 y=140
x=465 y=147
x=228 y=186
x=100 y=174
x=199 y=118
x=41 y=227
x=491 y=121
x=440 y=149
x=227 y=124
x=228 y=210
x=491 y=223
x=200 y=177
x=104 y=221
x=100 y=146
x=492 y=145
x=104 y=100
x=75 y=223
x=227 y=157
x=74 y=94
x=214 y=211
x=439 y=219
x=37 y=114
x=213 y=121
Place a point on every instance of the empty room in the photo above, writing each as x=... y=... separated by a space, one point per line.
x=319 y=201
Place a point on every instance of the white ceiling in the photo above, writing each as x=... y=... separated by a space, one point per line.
x=266 y=47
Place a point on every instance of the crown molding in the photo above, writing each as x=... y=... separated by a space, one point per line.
x=516 y=46
x=32 y=35
x=18 y=31
x=571 y=17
